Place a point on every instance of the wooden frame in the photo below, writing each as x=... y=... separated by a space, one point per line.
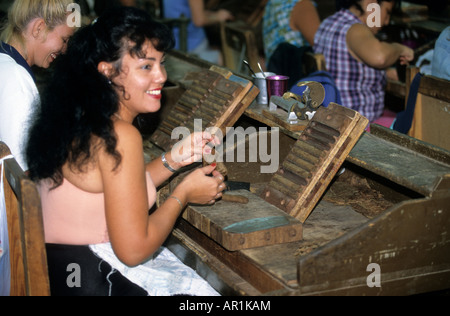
x=431 y=122
x=29 y=271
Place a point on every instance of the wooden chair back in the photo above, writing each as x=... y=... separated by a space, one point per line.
x=239 y=43
x=29 y=271
x=249 y=11
x=431 y=122
x=314 y=62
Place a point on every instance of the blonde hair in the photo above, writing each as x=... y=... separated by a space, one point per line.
x=22 y=12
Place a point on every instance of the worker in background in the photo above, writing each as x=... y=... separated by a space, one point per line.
x=292 y=21
x=289 y=27
x=441 y=57
x=356 y=58
x=197 y=40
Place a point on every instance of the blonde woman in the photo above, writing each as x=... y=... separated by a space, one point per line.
x=35 y=34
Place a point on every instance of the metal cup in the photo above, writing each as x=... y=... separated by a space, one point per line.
x=261 y=83
x=277 y=85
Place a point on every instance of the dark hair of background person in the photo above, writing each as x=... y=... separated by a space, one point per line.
x=101 y=6
x=346 y=4
x=78 y=102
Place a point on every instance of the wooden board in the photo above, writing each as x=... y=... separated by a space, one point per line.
x=243 y=226
x=315 y=159
x=409 y=243
x=431 y=121
x=406 y=161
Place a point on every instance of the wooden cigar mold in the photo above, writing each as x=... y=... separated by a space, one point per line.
x=215 y=97
x=314 y=160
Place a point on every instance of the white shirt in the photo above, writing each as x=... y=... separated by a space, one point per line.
x=18 y=96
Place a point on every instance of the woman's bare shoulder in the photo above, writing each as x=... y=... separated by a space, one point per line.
x=129 y=143
x=128 y=137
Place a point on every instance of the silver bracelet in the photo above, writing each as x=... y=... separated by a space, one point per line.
x=178 y=200
x=166 y=163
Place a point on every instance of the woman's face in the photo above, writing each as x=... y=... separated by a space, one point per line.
x=143 y=80
x=384 y=17
x=52 y=45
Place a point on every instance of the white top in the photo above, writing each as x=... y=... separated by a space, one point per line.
x=18 y=96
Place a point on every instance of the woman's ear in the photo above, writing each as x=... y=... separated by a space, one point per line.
x=105 y=69
x=38 y=28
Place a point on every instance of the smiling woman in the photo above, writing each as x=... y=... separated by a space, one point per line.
x=88 y=159
x=145 y=76
x=35 y=35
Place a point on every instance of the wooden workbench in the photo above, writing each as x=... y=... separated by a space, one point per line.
x=377 y=211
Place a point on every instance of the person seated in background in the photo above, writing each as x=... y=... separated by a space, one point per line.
x=292 y=21
x=35 y=34
x=440 y=68
x=87 y=157
x=197 y=41
x=289 y=27
x=356 y=58
x=441 y=57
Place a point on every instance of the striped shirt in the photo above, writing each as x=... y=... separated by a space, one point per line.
x=277 y=26
x=362 y=87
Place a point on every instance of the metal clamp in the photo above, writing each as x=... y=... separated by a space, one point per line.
x=299 y=106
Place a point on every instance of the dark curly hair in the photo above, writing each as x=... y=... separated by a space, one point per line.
x=78 y=102
x=346 y=4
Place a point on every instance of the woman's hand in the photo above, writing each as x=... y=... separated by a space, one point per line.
x=222 y=16
x=200 y=187
x=406 y=55
x=192 y=149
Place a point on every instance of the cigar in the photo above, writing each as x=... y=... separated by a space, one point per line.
x=235 y=199
x=222 y=169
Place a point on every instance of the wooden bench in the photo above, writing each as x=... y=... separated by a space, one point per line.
x=29 y=272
